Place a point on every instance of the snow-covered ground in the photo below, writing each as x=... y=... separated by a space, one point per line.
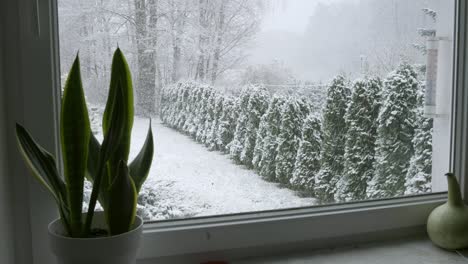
x=189 y=181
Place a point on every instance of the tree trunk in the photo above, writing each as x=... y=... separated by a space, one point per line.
x=219 y=40
x=175 y=61
x=202 y=41
x=145 y=86
x=153 y=33
x=177 y=24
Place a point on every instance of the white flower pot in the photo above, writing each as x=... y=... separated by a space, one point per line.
x=120 y=249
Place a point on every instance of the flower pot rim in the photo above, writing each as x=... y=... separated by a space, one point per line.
x=137 y=225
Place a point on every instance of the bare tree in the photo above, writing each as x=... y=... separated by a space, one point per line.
x=145 y=86
x=204 y=15
x=219 y=40
x=164 y=41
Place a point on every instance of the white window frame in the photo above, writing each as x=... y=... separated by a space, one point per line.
x=30 y=87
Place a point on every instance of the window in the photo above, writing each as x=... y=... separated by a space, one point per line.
x=265 y=105
x=39 y=56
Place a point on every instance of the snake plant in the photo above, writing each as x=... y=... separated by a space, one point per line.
x=116 y=183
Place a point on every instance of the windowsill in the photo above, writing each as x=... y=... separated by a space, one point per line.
x=402 y=246
x=408 y=251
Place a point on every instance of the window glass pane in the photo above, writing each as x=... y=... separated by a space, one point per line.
x=274 y=104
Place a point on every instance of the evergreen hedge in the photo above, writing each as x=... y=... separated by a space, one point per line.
x=371 y=139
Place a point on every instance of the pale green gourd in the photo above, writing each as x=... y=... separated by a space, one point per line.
x=447 y=225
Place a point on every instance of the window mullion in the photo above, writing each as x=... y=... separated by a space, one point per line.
x=460 y=99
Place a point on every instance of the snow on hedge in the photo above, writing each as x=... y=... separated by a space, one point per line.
x=371 y=139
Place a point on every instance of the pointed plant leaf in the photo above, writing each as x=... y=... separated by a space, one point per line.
x=75 y=132
x=93 y=156
x=92 y=169
x=109 y=145
x=122 y=201
x=41 y=163
x=140 y=166
x=120 y=76
x=117 y=129
x=43 y=167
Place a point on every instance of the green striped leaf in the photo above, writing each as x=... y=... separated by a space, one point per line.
x=75 y=132
x=140 y=166
x=43 y=167
x=120 y=76
x=117 y=127
x=93 y=166
x=122 y=201
x=109 y=146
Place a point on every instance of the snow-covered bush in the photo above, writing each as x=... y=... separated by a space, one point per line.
x=288 y=140
x=261 y=136
x=170 y=103
x=267 y=150
x=211 y=140
x=202 y=114
x=418 y=178
x=151 y=205
x=181 y=115
x=308 y=156
x=334 y=138
x=227 y=124
x=196 y=111
x=305 y=107
x=237 y=144
x=359 y=146
x=209 y=116
x=165 y=103
x=397 y=123
x=258 y=103
x=361 y=120
x=190 y=108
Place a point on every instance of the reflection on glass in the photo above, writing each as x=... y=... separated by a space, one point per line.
x=269 y=104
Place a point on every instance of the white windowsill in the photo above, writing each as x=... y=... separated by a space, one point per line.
x=412 y=248
x=408 y=251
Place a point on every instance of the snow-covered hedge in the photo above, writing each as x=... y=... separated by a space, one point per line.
x=359 y=146
x=260 y=131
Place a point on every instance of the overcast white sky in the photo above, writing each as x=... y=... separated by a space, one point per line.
x=291 y=15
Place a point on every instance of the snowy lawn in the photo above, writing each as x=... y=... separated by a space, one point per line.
x=191 y=181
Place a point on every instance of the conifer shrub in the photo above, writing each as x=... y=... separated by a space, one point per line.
x=265 y=158
x=258 y=103
x=236 y=146
x=334 y=138
x=396 y=128
x=307 y=162
x=361 y=121
x=288 y=140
